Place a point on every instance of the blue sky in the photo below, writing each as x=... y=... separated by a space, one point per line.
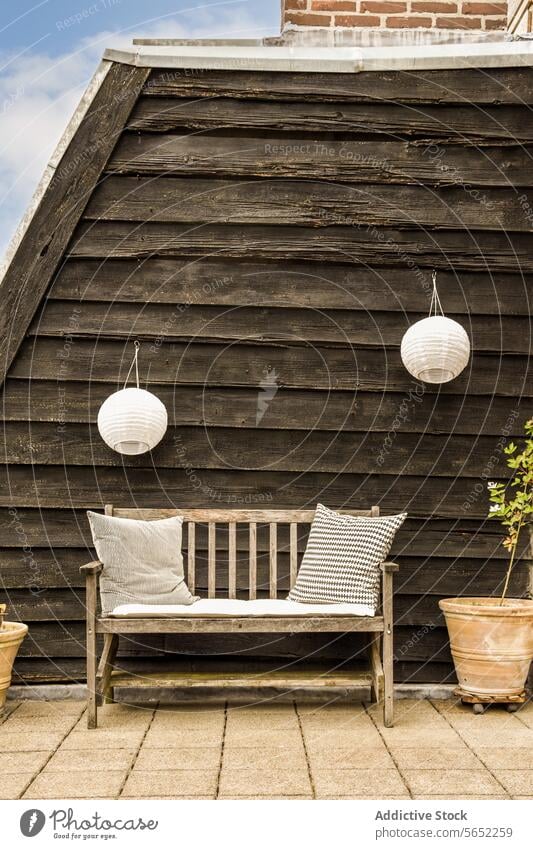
x=49 y=50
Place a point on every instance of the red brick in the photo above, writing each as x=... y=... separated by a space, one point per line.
x=496 y=23
x=484 y=8
x=295 y=5
x=357 y=21
x=334 y=5
x=307 y=19
x=433 y=6
x=408 y=22
x=385 y=6
x=460 y=22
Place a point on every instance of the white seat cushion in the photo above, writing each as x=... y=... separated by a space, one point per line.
x=216 y=607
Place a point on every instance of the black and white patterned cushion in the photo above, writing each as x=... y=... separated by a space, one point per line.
x=342 y=559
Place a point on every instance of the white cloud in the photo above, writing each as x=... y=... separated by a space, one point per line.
x=39 y=93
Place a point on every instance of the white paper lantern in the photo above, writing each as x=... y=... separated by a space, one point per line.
x=132 y=420
x=435 y=349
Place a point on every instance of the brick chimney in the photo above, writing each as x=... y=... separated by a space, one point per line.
x=474 y=16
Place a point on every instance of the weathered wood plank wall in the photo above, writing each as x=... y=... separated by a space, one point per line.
x=254 y=226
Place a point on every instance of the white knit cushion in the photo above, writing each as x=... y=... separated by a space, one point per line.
x=224 y=607
x=343 y=556
x=142 y=561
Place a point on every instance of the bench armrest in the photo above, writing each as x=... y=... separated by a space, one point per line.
x=388 y=566
x=93 y=568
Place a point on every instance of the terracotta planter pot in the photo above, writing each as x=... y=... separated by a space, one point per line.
x=11 y=636
x=491 y=644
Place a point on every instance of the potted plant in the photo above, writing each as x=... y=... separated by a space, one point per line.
x=491 y=639
x=11 y=636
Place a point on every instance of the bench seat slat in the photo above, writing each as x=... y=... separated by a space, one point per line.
x=243 y=624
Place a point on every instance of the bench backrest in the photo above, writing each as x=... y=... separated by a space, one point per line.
x=285 y=529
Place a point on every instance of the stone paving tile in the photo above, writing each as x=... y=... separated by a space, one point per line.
x=179 y=782
x=458 y=758
x=60 y=708
x=168 y=721
x=484 y=722
x=352 y=758
x=264 y=781
x=12 y=785
x=248 y=717
x=259 y=706
x=421 y=738
x=37 y=724
x=267 y=758
x=525 y=714
x=158 y=738
x=198 y=797
x=76 y=785
x=247 y=724
x=515 y=757
x=17 y=741
x=98 y=738
x=131 y=719
x=370 y=783
x=461 y=796
x=343 y=712
x=515 y=781
x=506 y=738
x=333 y=721
x=8 y=709
x=341 y=738
x=495 y=716
x=436 y=781
x=13 y=762
x=75 y=760
x=453 y=705
x=259 y=737
x=340 y=797
x=196 y=758
x=410 y=712
x=265 y=797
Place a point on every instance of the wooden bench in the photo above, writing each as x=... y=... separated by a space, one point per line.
x=102 y=679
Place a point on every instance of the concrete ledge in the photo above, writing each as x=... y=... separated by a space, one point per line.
x=57 y=692
x=240 y=56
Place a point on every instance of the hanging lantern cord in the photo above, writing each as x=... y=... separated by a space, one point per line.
x=435 y=307
x=135 y=363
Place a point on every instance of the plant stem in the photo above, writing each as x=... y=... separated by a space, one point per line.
x=511 y=561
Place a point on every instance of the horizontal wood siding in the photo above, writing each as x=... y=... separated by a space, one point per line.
x=269 y=238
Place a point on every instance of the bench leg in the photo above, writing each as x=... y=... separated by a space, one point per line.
x=388 y=710
x=105 y=668
x=376 y=667
x=388 y=651
x=91 y=652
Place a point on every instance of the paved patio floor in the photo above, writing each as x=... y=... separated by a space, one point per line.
x=275 y=750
